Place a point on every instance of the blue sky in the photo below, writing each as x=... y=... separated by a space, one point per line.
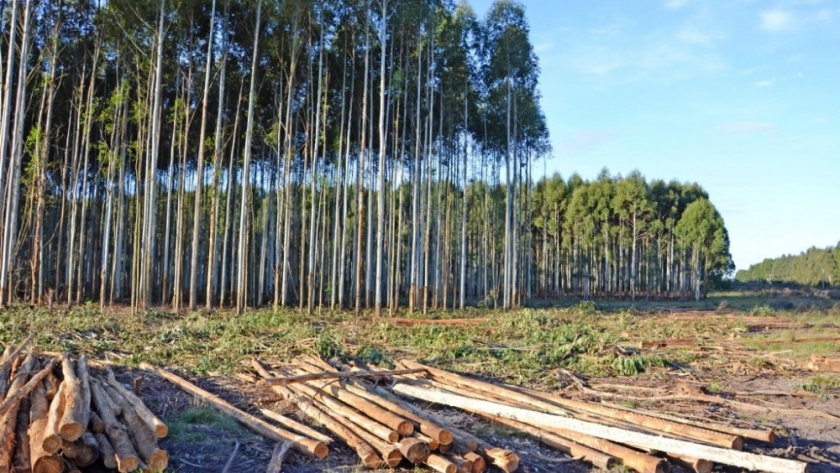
x=741 y=96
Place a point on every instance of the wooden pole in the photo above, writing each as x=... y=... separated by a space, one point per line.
x=75 y=418
x=441 y=464
x=275 y=465
x=106 y=451
x=676 y=447
x=8 y=421
x=296 y=426
x=51 y=442
x=401 y=426
x=573 y=449
x=142 y=437
x=150 y=419
x=40 y=460
x=26 y=388
x=301 y=444
x=124 y=453
x=302 y=378
x=10 y=355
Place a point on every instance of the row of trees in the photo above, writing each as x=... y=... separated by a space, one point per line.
x=342 y=153
x=814 y=267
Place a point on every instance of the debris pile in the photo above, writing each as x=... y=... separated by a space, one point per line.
x=59 y=415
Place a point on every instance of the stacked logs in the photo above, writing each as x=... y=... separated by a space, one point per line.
x=59 y=415
x=381 y=428
x=377 y=423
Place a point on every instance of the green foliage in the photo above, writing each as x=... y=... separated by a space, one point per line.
x=813 y=267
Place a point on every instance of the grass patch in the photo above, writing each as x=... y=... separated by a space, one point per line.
x=820 y=385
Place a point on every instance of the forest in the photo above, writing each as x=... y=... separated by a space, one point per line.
x=355 y=154
x=814 y=267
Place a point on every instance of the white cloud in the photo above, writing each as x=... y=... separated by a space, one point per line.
x=748 y=127
x=776 y=20
x=764 y=83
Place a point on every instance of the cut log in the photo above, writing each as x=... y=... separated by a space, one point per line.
x=441 y=464
x=462 y=463
x=693 y=464
x=378 y=436
x=479 y=464
x=96 y=425
x=84 y=451
x=51 y=441
x=106 y=451
x=275 y=465
x=301 y=444
x=432 y=443
x=379 y=430
x=672 y=446
x=10 y=354
x=650 y=423
x=762 y=435
x=12 y=399
x=74 y=419
x=142 y=437
x=150 y=419
x=41 y=461
x=414 y=450
x=52 y=383
x=292 y=424
x=8 y=421
x=322 y=416
x=573 y=449
x=302 y=378
x=635 y=460
x=124 y=453
x=425 y=426
x=72 y=467
x=5 y=370
x=21 y=459
x=401 y=426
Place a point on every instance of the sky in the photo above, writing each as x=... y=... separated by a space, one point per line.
x=740 y=96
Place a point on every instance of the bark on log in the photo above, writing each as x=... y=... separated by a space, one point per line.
x=95 y=424
x=302 y=378
x=53 y=384
x=106 y=451
x=85 y=450
x=9 y=356
x=762 y=435
x=41 y=461
x=8 y=420
x=693 y=464
x=641 y=462
x=462 y=463
x=21 y=459
x=311 y=409
x=441 y=464
x=304 y=445
x=125 y=455
x=573 y=449
x=51 y=442
x=378 y=436
x=275 y=465
x=414 y=450
x=74 y=419
x=381 y=431
x=5 y=370
x=26 y=388
x=432 y=443
x=401 y=426
x=672 y=446
x=147 y=416
x=651 y=423
x=425 y=426
x=292 y=424
x=479 y=464
x=142 y=437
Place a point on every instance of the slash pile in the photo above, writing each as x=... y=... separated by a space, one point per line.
x=384 y=429
x=59 y=415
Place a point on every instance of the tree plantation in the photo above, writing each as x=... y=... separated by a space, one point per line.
x=816 y=266
x=334 y=153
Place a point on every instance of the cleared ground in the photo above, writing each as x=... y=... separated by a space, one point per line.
x=750 y=349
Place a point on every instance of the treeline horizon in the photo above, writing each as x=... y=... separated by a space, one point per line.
x=812 y=267
x=344 y=154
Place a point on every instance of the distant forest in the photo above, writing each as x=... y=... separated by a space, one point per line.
x=814 y=267
x=331 y=153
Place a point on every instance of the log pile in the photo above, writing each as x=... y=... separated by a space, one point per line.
x=60 y=415
x=384 y=429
